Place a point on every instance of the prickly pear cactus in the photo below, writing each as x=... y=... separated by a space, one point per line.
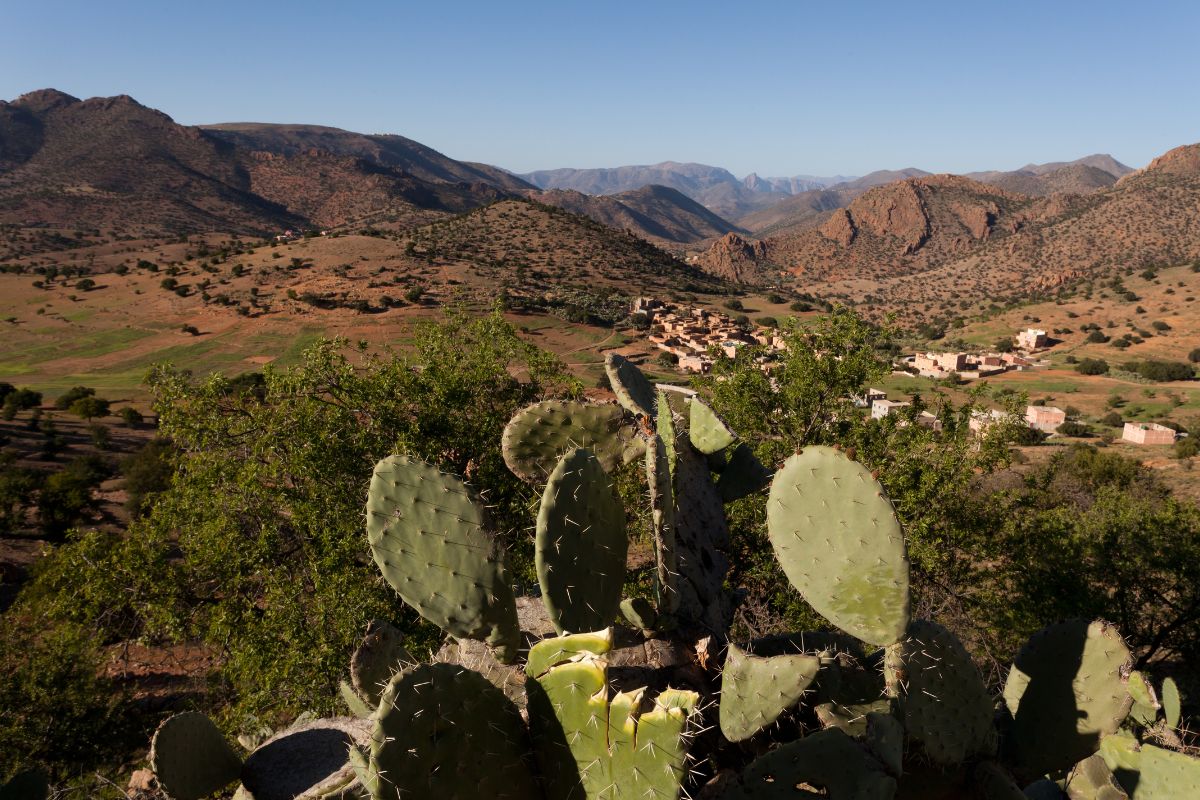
x=1166 y=774
x=943 y=702
x=839 y=543
x=742 y=475
x=708 y=433
x=537 y=436
x=1171 y=702
x=664 y=426
x=379 y=656
x=755 y=690
x=1145 y=702
x=430 y=540
x=848 y=691
x=1066 y=690
x=442 y=731
x=581 y=545
x=1091 y=779
x=989 y=781
x=591 y=747
x=191 y=758
x=630 y=386
x=826 y=764
x=662 y=511
x=885 y=739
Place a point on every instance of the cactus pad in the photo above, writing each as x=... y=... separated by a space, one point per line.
x=354 y=701
x=442 y=731
x=1091 y=779
x=839 y=543
x=581 y=545
x=1145 y=702
x=190 y=757
x=1166 y=775
x=537 y=436
x=591 y=747
x=640 y=613
x=847 y=693
x=429 y=538
x=1065 y=691
x=885 y=740
x=829 y=763
x=630 y=386
x=379 y=656
x=662 y=512
x=701 y=532
x=664 y=426
x=743 y=475
x=943 y=701
x=1171 y=702
x=706 y=430
x=756 y=690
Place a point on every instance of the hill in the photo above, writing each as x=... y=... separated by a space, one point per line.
x=657 y=213
x=1073 y=179
x=947 y=246
x=116 y=165
x=388 y=150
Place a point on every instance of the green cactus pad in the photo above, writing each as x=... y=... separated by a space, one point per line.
x=743 y=475
x=662 y=512
x=309 y=760
x=665 y=428
x=990 y=781
x=581 y=545
x=1145 y=702
x=590 y=747
x=1122 y=753
x=633 y=391
x=379 y=656
x=430 y=540
x=706 y=430
x=354 y=701
x=1091 y=779
x=943 y=701
x=28 y=785
x=442 y=731
x=556 y=650
x=1166 y=775
x=1171 y=702
x=640 y=613
x=756 y=690
x=537 y=436
x=885 y=740
x=839 y=543
x=847 y=693
x=190 y=757
x=701 y=534
x=827 y=764
x=1065 y=691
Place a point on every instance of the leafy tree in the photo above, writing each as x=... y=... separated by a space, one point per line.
x=68 y=397
x=131 y=416
x=66 y=496
x=1093 y=534
x=89 y=407
x=146 y=473
x=265 y=506
x=17 y=488
x=1092 y=366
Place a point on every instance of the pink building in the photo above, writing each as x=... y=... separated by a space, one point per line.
x=1031 y=339
x=1045 y=418
x=1147 y=433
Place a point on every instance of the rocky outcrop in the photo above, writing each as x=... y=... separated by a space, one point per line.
x=840 y=227
x=734 y=258
x=1183 y=160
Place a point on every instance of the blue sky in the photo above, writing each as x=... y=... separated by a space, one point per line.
x=777 y=88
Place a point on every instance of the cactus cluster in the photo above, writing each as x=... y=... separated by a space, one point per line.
x=597 y=712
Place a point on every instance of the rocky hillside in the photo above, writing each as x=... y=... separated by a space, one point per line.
x=386 y=150
x=114 y=164
x=657 y=213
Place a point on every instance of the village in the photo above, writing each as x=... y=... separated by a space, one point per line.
x=694 y=335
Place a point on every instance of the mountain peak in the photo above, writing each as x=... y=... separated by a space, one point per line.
x=1184 y=160
x=41 y=100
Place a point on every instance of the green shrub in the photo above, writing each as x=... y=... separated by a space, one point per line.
x=68 y=397
x=1092 y=366
x=89 y=407
x=1187 y=447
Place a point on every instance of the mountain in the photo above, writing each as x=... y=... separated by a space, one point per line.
x=387 y=150
x=793 y=185
x=714 y=188
x=1080 y=176
x=657 y=213
x=112 y=163
x=947 y=244
x=798 y=212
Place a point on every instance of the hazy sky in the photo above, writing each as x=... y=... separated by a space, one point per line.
x=777 y=88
